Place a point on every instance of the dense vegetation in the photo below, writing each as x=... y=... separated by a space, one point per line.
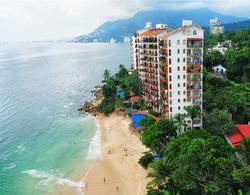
x=128 y=83
x=236 y=58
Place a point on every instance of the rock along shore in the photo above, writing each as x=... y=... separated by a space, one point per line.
x=90 y=106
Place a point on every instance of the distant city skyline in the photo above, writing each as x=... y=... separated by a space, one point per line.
x=27 y=20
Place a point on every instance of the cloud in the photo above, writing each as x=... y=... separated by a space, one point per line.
x=45 y=19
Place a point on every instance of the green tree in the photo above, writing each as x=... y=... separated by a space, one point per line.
x=244 y=149
x=132 y=84
x=147 y=121
x=193 y=112
x=122 y=73
x=179 y=119
x=159 y=171
x=158 y=135
x=201 y=164
x=218 y=121
x=106 y=75
x=213 y=58
x=109 y=89
x=242 y=178
x=146 y=159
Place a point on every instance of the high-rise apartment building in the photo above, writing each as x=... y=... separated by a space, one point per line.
x=169 y=63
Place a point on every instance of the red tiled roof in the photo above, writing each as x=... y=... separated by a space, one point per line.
x=152 y=32
x=134 y=98
x=237 y=134
x=244 y=130
x=234 y=136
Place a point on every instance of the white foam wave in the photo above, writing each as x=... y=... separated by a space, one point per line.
x=94 y=150
x=11 y=166
x=21 y=148
x=51 y=179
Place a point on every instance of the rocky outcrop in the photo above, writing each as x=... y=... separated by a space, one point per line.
x=90 y=106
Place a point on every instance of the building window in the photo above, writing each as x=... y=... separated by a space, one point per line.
x=178 y=42
x=170 y=78
x=189 y=32
x=184 y=76
x=169 y=52
x=170 y=94
x=179 y=93
x=169 y=61
x=178 y=59
x=178 y=84
x=184 y=68
x=170 y=109
x=178 y=68
x=184 y=50
x=179 y=100
x=184 y=100
x=178 y=76
x=184 y=92
x=178 y=51
x=184 y=42
x=184 y=84
x=170 y=70
x=170 y=86
x=184 y=59
x=170 y=101
x=179 y=107
x=169 y=43
x=195 y=32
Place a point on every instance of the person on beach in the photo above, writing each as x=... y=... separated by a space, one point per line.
x=104 y=180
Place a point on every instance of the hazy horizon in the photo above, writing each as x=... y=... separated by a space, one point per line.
x=34 y=20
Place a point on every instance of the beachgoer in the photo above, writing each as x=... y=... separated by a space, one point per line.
x=104 y=180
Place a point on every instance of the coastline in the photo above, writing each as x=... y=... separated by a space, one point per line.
x=120 y=152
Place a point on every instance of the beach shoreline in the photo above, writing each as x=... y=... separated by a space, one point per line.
x=117 y=170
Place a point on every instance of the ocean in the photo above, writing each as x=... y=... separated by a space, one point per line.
x=43 y=138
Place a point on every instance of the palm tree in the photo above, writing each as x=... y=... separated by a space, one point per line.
x=193 y=112
x=244 y=149
x=106 y=75
x=159 y=172
x=179 y=119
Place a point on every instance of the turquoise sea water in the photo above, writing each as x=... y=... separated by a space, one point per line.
x=42 y=136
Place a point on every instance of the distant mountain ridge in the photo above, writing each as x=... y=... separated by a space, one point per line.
x=126 y=27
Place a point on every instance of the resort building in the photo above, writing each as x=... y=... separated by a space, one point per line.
x=215 y=27
x=169 y=63
x=221 y=47
x=219 y=69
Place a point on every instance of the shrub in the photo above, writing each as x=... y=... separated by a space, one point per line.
x=154 y=113
x=146 y=159
x=106 y=107
x=147 y=121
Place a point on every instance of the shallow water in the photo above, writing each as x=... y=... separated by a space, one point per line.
x=42 y=136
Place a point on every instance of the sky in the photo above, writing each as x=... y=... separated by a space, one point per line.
x=26 y=20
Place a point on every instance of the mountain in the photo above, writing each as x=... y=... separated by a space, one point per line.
x=237 y=25
x=126 y=27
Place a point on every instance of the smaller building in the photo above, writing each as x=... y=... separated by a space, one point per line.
x=237 y=134
x=220 y=48
x=215 y=27
x=219 y=69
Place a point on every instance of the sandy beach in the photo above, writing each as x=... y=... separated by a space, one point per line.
x=117 y=171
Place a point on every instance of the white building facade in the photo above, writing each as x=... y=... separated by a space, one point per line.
x=178 y=65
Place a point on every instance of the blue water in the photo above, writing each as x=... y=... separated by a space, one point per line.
x=136 y=119
x=43 y=139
